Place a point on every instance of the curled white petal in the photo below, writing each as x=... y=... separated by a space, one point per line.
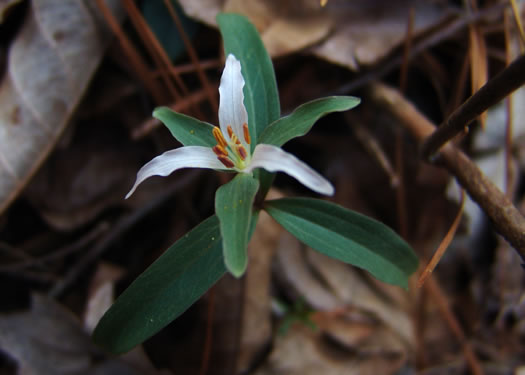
x=170 y=161
x=231 y=105
x=275 y=159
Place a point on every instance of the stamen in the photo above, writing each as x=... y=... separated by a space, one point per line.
x=227 y=162
x=246 y=132
x=230 y=130
x=217 y=134
x=242 y=152
x=219 y=150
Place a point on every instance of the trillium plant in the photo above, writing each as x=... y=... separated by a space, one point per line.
x=248 y=143
x=233 y=149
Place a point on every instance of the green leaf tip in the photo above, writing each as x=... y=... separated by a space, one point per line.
x=234 y=208
x=298 y=123
x=301 y=120
x=347 y=236
x=187 y=130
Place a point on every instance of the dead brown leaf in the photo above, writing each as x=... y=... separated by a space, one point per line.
x=101 y=296
x=346 y=283
x=82 y=180
x=304 y=352
x=45 y=340
x=5 y=7
x=353 y=312
x=49 y=340
x=50 y=64
x=348 y=33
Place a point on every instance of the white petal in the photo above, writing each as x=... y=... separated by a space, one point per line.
x=170 y=161
x=231 y=106
x=275 y=159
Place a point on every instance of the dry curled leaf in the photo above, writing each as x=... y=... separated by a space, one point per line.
x=45 y=340
x=5 y=7
x=349 y=33
x=351 y=312
x=305 y=352
x=50 y=64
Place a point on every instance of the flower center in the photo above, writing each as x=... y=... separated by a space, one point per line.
x=232 y=154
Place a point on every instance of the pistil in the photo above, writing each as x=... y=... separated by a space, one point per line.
x=238 y=155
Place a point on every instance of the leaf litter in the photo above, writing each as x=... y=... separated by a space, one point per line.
x=469 y=316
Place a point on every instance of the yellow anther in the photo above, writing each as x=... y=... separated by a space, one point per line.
x=219 y=150
x=227 y=162
x=246 y=132
x=217 y=134
x=241 y=151
x=230 y=130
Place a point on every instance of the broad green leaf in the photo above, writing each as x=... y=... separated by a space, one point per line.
x=300 y=121
x=348 y=236
x=165 y=290
x=261 y=97
x=187 y=130
x=233 y=206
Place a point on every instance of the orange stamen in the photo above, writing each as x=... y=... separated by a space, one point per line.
x=230 y=130
x=242 y=152
x=219 y=150
x=227 y=162
x=246 y=132
x=217 y=134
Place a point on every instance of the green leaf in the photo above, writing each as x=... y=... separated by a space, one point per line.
x=233 y=206
x=300 y=121
x=261 y=97
x=348 y=236
x=187 y=130
x=165 y=290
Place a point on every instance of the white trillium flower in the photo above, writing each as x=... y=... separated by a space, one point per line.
x=233 y=151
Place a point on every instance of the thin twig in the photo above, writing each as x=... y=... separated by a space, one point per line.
x=190 y=68
x=402 y=214
x=206 y=351
x=154 y=49
x=193 y=56
x=407 y=46
x=509 y=175
x=505 y=217
x=478 y=56
x=442 y=302
x=519 y=25
x=389 y=64
x=443 y=246
x=60 y=253
x=135 y=60
x=505 y=82
x=371 y=145
x=152 y=123
x=124 y=224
